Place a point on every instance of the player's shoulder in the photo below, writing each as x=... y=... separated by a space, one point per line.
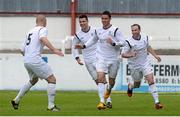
x=79 y=32
x=114 y=29
x=129 y=39
x=92 y=28
x=43 y=29
x=144 y=37
x=98 y=28
x=40 y=29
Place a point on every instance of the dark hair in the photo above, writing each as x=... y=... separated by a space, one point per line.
x=137 y=26
x=107 y=13
x=83 y=16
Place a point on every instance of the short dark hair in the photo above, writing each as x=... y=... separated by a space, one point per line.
x=107 y=13
x=83 y=16
x=137 y=26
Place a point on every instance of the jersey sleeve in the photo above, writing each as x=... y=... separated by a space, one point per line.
x=120 y=40
x=43 y=32
x=147 y=41
x=75 y=52
x=92 y=41
x=23 y=46
x=24 y=43
x=126 y=47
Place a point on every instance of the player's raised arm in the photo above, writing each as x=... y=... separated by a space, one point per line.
x=46 y=42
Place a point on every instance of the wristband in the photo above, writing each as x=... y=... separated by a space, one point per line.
x=84 y=46
x=113 y=44
x=77 y=58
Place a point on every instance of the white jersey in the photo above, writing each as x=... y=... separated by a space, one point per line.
x=140 y=46
x=106 y=51
x=33 y=46
x=89 y=54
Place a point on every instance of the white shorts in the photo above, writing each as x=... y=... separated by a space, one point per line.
x=38 y=70
x=137 y=74
x=110 y=67
x=91 y=67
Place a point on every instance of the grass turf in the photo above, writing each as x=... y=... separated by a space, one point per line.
x=83 y=103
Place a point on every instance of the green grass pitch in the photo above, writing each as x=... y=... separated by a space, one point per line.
x=83 y=103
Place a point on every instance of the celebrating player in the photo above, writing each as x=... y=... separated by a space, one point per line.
x=32 y=48
x=107 y=56
x=137 y=50
x=89 y=54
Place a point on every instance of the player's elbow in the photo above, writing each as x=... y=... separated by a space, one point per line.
x=123 y=55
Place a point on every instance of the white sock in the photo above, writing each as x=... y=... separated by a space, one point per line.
x=51 y=91
x=109 y=98
x=23 y=91
x=109 y=87
x=101 y=91
x=154 y=92
x=131 y=82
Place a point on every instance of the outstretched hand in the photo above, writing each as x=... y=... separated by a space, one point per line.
x=109 y=40
x=80 y=62
x=133 y=54
x=158 y=58
x=79 y=46
x=58 y=52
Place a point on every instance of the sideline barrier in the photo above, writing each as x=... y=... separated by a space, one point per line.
x=71 y=76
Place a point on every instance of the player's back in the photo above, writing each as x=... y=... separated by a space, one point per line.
x=33 y=46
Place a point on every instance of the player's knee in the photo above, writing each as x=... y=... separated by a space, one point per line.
x=112 y=81
x=150 y=83
x=34 y=81
x=100 y=80
x=137 y=84
x=51 y=79
x=96 y=81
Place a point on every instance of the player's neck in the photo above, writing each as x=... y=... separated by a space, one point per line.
x=86 y=29
x=40 y=24
x=107 y=26
x=138 y=37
